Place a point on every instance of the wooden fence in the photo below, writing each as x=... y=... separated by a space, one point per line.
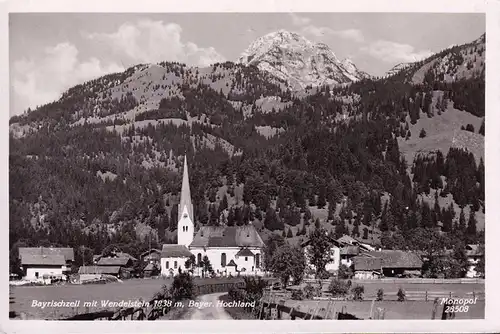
x=407 y=281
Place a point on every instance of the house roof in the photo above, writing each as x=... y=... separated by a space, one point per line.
x=67 y=252
x=349 y=250
x=346 y=239
x=397 y=258
x=245 y=252
x=113 y=261
x=231 y=263
x=43 y=260
x=227 y=236
x=367 y=263
x=99 y=270
x=173 y=250
x=150 y=251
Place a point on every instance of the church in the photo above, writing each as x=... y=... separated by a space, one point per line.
x=232 y=250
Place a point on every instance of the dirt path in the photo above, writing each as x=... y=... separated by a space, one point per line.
x=208 y=309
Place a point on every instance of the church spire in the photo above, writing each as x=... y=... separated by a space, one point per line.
x=185 y=194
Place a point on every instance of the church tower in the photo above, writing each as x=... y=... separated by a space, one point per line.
x=185 y=225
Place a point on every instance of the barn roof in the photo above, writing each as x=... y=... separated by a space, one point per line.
x=99 y=270
x=397 y=259
x=346 y=239
x=43 y=260
x=113 y=261
x=367 y=263
x=231 y=263
x=173 y=250
x=227 y=236
x=67 y=252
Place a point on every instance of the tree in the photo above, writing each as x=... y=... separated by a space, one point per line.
x=288 y=262
x=471 y=226
x=272 y=244
x=182 y=286
x=190 y=264
x=320 y=250
x=422 y=133
x=480 y=266
x=289 y=234
x=206 y=266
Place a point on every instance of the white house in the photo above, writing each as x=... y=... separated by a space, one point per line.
x=333 y=265
x=474 y=255
x=230 y=249
x=173 y=257
x=44 y=262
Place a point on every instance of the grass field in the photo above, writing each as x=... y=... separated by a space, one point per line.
x=133 y=289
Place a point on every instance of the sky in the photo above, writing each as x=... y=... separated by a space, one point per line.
x=51 y=52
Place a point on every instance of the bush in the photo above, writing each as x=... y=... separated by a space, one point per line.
x=345 y=272
x=358 y=291
x=380 y=294
x=309 y=291
x=338 y=287
x=297 y=295
x=182 y=287
x=401 y=295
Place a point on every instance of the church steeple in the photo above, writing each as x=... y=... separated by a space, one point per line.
x=185 y=193
x=185 y=225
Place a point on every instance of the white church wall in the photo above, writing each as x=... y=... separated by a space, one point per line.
x=185 y=229
x=173 y=265
x=215 y=257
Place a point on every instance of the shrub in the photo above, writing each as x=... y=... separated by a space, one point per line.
x=358 y=291
x=380 y=294
x=182 y=287
x=345 y=272
x=297 y=295
x=401 y=295
x=338 y=287
x=309 y=291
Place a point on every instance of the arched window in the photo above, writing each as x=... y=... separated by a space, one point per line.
x=257 y=260
x=223 y=259
x=199 y=258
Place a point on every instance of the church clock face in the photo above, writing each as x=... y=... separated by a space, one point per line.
x=185 y=215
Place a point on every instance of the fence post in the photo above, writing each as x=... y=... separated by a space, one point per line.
x=450 y=294
x=425 y=295
x=473 y=294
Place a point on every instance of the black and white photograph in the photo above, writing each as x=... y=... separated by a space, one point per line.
x=247 y=166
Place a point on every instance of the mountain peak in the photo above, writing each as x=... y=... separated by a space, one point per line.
x=295 y=59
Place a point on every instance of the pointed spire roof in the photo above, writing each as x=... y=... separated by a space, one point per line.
x=185 y=194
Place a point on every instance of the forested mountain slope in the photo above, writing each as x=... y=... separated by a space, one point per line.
x=101 y=165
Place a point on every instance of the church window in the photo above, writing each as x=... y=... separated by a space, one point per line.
x=175 y=264
x=167 y=264
x=199 y=258
x=257 y=260
x=246 y=258
x=223 y=259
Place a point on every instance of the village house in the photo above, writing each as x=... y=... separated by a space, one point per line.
x=46 y=262
x=151 y=256
x=332 y=266
x=173 y=257
x=223 y=245
x=123 y=261
x=393 y=263
x=367 y=267
x=92 y=272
